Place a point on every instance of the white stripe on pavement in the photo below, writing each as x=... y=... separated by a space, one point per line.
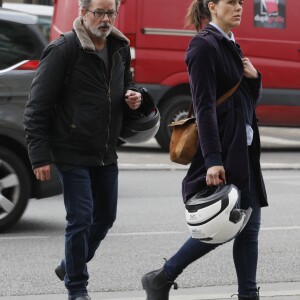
x=279 y=141
x=174 y=166
x=144 y=233
x=280 y=166
x=28 y=237
x=182 y=232
x=154 y=166
x=280 y=228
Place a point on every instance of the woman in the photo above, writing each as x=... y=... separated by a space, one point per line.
x=229 y=144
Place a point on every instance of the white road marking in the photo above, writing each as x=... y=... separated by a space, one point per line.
x=280 y=228
x=28 y=237
x=279 y=141
x=143 y=233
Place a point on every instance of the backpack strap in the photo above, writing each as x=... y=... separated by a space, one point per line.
x=72 y=53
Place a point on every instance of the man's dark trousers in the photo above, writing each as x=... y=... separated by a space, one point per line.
x=90 y=196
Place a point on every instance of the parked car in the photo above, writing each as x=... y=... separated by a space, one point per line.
x=43 y=12
x=21 y=45
x=268 y=35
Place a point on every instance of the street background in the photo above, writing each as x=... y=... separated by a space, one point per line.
x=151 y=226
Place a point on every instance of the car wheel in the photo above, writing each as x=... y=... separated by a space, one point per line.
x=15 y=188
x=176 y=108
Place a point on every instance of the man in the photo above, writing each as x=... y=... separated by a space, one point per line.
x=76 y=126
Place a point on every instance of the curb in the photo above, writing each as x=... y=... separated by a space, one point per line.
x=269 y=291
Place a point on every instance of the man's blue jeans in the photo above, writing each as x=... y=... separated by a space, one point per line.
x=245 y=248
x=90 y=197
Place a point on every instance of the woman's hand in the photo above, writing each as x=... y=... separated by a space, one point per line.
x=249 y=70
x=214 y=175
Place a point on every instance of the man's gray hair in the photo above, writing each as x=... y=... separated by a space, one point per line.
x=85 y=4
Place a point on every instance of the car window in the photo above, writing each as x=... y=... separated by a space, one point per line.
x=16 y=44
x=42 y=12
x=44 y=22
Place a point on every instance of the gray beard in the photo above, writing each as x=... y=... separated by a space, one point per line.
x=98 y=33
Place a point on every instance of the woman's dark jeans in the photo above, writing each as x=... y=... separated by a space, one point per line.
x=245 y=248
x=90 y=197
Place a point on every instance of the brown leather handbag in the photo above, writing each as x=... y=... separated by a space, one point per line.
x=184 y=137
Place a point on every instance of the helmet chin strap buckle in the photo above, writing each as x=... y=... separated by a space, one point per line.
x=235 y=216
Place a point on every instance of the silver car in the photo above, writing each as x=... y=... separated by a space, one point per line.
x=21 y=45
x=43 y=12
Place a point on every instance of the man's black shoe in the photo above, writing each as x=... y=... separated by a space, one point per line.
x=61 y=275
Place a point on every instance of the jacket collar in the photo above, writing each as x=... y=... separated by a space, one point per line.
x=215 y=32
x=228 y=36
x=85 y=40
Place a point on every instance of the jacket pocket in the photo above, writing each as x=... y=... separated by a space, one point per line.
x=88 y=125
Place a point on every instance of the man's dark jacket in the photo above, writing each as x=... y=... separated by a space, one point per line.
x=78 y=123
x=215 y=66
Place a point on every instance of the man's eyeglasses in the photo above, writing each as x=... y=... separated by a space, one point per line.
x=100 y=14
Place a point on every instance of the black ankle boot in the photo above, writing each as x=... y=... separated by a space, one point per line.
x=157 y=286
x=253 y=298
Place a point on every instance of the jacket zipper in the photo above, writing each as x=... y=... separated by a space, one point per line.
x=109 y=99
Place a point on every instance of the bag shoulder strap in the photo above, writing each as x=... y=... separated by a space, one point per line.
x=227 y=94
x=219 y=101
x=72 y=53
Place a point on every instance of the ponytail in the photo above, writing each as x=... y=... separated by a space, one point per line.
x=198 y=14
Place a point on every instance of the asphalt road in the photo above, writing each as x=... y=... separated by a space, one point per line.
x=149 y=227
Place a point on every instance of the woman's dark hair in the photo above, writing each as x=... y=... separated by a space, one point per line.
x=198 y=13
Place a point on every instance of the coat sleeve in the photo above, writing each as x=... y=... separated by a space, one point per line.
x=129 y=83
x=201 y=63
x=255 y=86
x=45 y=91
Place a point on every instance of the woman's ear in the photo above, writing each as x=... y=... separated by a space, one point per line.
x=212 y=7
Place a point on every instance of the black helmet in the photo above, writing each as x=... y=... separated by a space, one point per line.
x=142 y=124
x=213 y=215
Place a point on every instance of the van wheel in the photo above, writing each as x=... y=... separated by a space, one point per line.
x=174 y=109
x=15 y=188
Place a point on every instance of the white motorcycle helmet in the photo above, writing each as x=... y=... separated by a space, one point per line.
x=213 y=215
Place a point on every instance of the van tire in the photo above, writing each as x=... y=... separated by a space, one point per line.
x=173 y=109
x=19 y=190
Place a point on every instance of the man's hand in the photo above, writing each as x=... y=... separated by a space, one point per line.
x=214 y=175
x=133 y=99
x=43 y=173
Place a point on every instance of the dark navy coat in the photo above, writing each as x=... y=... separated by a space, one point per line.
x=215 y=66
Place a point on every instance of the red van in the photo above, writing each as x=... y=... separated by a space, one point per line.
x=269 y=35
